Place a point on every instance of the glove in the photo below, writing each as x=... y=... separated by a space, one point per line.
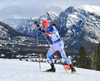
x=36 y=23
x=54 y=24
x=41 y=30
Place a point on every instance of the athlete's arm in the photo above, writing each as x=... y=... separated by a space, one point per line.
x=43 y=30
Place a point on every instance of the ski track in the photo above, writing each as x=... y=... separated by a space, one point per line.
x=15 y=70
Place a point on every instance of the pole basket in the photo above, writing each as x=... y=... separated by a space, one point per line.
x=67 y=67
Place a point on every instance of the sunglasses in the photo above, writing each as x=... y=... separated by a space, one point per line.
x=44 y=26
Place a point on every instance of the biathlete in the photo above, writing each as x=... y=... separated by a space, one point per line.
x=57 y=44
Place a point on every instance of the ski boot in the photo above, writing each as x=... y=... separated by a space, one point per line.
x=52 y=68
x=72 y=69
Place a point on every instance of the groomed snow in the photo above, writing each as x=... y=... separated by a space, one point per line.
x=15 y=70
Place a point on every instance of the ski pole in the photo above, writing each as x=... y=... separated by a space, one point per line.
x=38 y=49
x=49 y=17
x=53 y=49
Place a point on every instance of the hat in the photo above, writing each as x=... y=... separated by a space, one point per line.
x=44 y=23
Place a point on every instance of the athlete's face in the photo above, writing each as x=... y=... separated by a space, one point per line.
x=46 y=26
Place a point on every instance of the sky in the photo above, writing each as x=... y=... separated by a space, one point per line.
x=16 y=9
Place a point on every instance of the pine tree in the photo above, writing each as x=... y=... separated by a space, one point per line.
x=82 y=57
x=77 y=61
x=98 y=57
x=92 y=58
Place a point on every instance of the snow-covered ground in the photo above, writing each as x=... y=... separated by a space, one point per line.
x=15 y=70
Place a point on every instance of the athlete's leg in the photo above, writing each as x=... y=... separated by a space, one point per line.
x=50 y=52
x=61 y=46
x=65 y=57
x=62 y=52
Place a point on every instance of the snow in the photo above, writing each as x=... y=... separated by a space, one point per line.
x=91 y=39
x=34 y=18
x=15 y=70
x=90 y=8
x=55 y=13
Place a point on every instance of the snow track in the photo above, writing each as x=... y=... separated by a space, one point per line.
x=15 y=70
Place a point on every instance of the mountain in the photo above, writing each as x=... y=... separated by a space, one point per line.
x=80 y=26
x=77 y=25
x=11 y=70
x=14 y=22
x=13 y=42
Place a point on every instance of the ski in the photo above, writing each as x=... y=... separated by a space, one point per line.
x=61 y=72
x=69 y=73
x=48 y=71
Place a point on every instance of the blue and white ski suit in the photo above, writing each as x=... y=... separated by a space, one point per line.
x=57 y=44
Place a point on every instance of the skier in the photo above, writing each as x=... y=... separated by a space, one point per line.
x=57 y=44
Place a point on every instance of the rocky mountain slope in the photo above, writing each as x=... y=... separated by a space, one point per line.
x=78 y=25
x=13 y=42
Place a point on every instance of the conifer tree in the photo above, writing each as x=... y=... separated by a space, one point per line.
x=98 y=57
x=92 y=58
x=82 y=57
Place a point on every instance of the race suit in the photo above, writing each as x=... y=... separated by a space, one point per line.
x=57 y=44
